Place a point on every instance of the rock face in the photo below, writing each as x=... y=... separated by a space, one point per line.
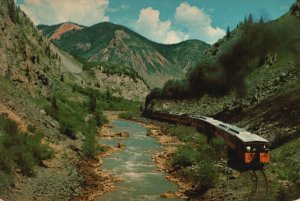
x=119 y=85
x=65 y=27
x=115 y=44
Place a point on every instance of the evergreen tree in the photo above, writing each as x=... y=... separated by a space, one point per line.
x=38 y=59
x=27 y=73
x=18 y=20
x=250 y=19
x=261 y=21
x=12 y=12
x=228 y=32
x=48 y=52
x=245 y=20
x=108 y=94
x=54 y=104
x=93 y=103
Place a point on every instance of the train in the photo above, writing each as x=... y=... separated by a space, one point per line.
x=250 y=148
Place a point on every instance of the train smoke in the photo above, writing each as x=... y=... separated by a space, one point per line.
x=239 y=56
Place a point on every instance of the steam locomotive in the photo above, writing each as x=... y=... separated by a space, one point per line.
x=250 y=148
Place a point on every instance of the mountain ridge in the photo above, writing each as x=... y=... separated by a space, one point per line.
x=116 y=44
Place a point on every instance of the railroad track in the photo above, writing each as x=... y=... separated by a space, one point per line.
x=260 y=187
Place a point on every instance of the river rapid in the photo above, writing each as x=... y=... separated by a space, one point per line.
x=142 y=178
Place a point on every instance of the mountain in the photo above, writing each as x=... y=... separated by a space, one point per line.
x=117 y=45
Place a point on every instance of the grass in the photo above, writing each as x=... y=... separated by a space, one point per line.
x=184 y=133
x=19 y=150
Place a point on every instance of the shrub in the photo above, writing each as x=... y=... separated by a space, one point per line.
x=185 y=156
x=31 y=128
x=93 y=103
x=90 y=146
x=100 y=118
x=19 y=150
x=203 y=174
x=184 y=133
x=67 y=128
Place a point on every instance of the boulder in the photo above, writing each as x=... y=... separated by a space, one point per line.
x=168 y=195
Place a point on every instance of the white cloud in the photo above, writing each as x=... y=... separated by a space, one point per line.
x=85 y=12
x=150 y=25
x=122 y=7
x=198 y=23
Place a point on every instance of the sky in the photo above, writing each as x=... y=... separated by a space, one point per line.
x=163 y=21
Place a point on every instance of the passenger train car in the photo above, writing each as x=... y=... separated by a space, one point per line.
x=250 y=148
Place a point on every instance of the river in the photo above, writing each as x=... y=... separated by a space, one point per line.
x=142 y=178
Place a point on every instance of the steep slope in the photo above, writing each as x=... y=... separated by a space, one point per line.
x=118 y=45
x=26 y=58
x=29 y=71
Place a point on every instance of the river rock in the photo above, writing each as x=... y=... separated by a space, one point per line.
x=168 y=195
x=121 y=145
x=149 y=133
x=124 y=134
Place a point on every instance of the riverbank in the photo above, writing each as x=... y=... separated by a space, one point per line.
x=163 y=157
x=96 y=182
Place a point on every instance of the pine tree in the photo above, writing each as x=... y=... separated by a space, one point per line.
x=261 y=21
x=38 y=59
x=12 y=11
x=54 y=104
x=250 y=19
x=93 y=103
x=228 y=32
x=62 y=78
x=27 y=73
x=108 y=94
x=245 y=20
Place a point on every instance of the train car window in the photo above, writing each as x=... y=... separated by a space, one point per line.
x=223 y=125
x=235 y=131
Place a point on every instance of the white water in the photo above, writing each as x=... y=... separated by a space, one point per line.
x=143 y=181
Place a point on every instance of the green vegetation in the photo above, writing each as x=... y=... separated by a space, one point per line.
x=183 y=133
x=195 y=159
x=203 y=174
x=84 y=115
x=285 y=161
x=90 y=146
x=130 y=114
x=78 y=117
x=185 y=156
x=19 y=150
x=105 y=101
x=112 y=69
